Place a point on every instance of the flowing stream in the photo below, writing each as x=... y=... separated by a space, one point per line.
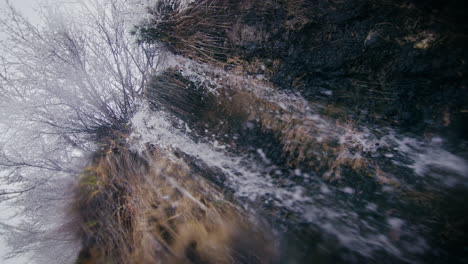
x=366 y=220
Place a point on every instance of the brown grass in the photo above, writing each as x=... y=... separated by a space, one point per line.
x=178 y=95
x=213 y=30
x=197 y=32
x=153 y=209
x=232 y=107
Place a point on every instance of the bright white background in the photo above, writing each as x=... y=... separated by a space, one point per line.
x=29 y=9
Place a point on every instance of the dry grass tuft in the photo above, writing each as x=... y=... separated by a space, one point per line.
x=197 y=31
x=187 y=104
x=153 y=209
x=214 y=31
x=303 y=141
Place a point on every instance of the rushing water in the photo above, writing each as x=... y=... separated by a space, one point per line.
x=368 y=219
x=331 y=188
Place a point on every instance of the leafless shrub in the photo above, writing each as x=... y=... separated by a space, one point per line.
x=66 y=85
x=79 y=76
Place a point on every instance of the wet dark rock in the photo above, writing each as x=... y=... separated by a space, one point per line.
x=372 y=38
x=392 y=58
x=394 y=63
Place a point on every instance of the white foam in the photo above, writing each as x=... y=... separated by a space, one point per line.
x=250 y=181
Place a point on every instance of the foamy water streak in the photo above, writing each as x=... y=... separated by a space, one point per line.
x=362 y=229
x=318 y=206
x=426 y=158
x=155 y=128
